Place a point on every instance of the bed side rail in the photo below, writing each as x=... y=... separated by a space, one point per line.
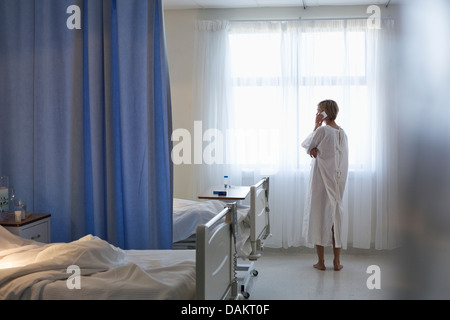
x=259 y=216
x=216 y=258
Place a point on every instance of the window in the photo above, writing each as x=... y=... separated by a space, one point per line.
x=278 y=79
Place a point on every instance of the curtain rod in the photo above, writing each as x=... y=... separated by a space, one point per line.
x=305 y=19
x=304 y=6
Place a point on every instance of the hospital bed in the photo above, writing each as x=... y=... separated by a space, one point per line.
x=91 y=268
x=189 y=214
x=253 y=226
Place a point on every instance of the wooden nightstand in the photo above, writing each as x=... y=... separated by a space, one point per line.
x=35 y=227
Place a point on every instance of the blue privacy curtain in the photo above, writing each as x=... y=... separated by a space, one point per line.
x=86 y=117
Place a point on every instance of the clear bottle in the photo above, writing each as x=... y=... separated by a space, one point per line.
x=226 y=182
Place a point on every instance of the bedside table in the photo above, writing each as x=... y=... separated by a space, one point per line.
x=35 y=227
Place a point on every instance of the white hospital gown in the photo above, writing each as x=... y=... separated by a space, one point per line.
x=323 y=207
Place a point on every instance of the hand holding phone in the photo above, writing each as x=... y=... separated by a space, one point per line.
x=319 y=118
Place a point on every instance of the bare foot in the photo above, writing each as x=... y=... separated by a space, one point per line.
x=320 y=266
x=337 y=266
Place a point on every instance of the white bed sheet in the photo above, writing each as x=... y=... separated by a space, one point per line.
x=33 y=270
x=188 y=214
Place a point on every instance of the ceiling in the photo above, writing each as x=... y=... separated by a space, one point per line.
x=202 y=4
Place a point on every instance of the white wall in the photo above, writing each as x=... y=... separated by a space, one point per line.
x=179 y=27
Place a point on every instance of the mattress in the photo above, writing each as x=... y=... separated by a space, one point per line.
x=188 y=214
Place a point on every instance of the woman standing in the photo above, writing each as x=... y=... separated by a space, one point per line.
x=328 y=146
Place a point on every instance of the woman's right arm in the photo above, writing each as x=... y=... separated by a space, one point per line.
x=319 y=120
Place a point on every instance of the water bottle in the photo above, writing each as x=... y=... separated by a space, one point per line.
x=226 y=182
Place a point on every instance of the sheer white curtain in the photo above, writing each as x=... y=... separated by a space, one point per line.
x=278 y=73
x=212 y=105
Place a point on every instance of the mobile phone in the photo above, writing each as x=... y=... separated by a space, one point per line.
x=324 y=114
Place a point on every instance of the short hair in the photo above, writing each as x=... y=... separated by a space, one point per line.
x=330 y=107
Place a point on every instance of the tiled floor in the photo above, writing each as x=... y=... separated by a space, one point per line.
x=290 y=275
